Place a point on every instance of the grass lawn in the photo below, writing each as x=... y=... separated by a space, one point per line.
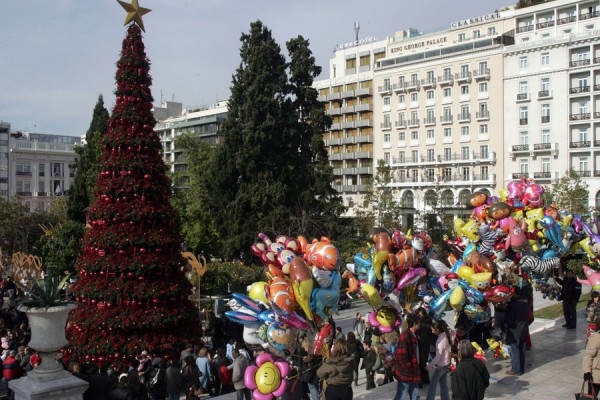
x=554 y=311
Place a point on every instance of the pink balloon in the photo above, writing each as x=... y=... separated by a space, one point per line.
x=249 y=381
x=515 y=190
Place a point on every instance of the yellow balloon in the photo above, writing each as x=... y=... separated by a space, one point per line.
x=378 y=260
x=371 y=295
x=465 y=273
x=481 y=281
x=302 y=292
x=267 y=378
x=256 y=292
x=386 y=316
x=457 y=299
x=469 y=230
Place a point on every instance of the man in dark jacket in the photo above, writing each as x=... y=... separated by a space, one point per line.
x=100 y=384
x=570 y=293
x=407 y=361
x=516 y=323
x=174 y=380
x=368 y=363
x=426 y=340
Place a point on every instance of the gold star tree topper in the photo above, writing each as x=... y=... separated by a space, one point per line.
x=134 y=13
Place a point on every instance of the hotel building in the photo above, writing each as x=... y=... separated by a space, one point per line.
x=438 y=120
x=552 y=94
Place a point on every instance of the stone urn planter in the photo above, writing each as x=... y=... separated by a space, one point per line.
x=47 y=337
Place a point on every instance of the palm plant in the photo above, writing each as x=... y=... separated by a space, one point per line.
x=44 y=292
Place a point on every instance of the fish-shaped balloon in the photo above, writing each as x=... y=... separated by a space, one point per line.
x=411 y=277
x=438 y=305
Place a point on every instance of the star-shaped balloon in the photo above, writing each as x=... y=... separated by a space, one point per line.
x=134 y=12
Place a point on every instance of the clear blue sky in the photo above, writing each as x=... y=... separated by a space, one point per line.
x=56 y=56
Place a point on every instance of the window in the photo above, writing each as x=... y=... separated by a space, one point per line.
x=525 y=39
x=484 y=150
x=491 y=30
x=386 y=158
x=545 y=85
x=523 y=115
x=401 y=99
x=447 y=132
x=386 y=138
x=430 y=155
x=414 y=117
x=430 y=134
x=430 y=76
x=483 y=87
x=464 y=110
x=415 y=155
x=524 y=166
x=430 y=95
x=523 y=62
x=464 y=131
x=386 y=84
x=583 y=135
x=387 y=121
x=386 y=100
x=41 y=169
x=430 y=115
x=476 y=34
x=365 y=60
x=546 y=111
x=464 y=152
x=402 y=157
x=485 y=173
x=447 y=92
x=583 y=107
x=483 y=129
x=524 y=138
x=447 y=74
x=414 y=135
x=57 y=169
x=523 y=87
x=447 y=154
x=402 y=136
x=545 y=135
x=545 y=164
x=414 y=79
x=583 y=164
x=483 y=108
x=464 y=70
x=462 y=37
x=464 y=90
x=447 y=113
x=401 y=117
x=545 y=61
x=414 y=97
x=350 y=63
x=41 y=187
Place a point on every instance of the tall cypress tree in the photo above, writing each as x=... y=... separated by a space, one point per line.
x=271 y=173
x=81 y=192
x=131 y=286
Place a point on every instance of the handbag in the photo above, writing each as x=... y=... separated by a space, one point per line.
x=582 y=395
x=379 y=377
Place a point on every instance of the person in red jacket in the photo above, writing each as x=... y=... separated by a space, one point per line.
x=12 y=369
x=407 y=370
x=226 y=374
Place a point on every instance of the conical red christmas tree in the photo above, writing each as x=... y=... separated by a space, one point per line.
x=131 y=286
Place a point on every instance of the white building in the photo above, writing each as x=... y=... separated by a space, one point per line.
x=552 y=94
x=4 y=132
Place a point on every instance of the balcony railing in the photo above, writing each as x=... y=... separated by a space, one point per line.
x=584 y=174
x=542 y=175
x=23 y=173
x=542 y=94
x=445 y=80
x=542 y=146
x=580 y=145
x=525 y=28
x=401 y=124
x=446 y=119
x=464 y=117
x=42 y=194
x=545 y=24
x=523 y=121
x=399 y=87
x=566 y=20
x=579 y=117
x=482 y=73
x=463 y=76
x=588 y=15
x=386 y=125
x=384 y=89
x=596 y=60
x=430 y=82
x=579 y=89
x=413 y=123
x=545 y=119
x=519 y=175
x=578 y=63
x=413 y=85
x=23 y=193
x=596 y=173
x=520 y=147
x=522 y=96
x=429 y=121
x=483 y=115
x=596 y=142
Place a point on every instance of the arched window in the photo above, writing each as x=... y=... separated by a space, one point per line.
x=463 y=197
x=431 y=198
x=447 y=198
x=408 y=199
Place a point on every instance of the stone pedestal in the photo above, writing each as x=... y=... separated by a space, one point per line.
x=66 y=388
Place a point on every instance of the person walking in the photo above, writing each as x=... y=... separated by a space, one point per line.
x=358 y=326
x=570 y=293
x=240 y=363
x=517 y=314
x=368 y=365
x=190 y=375
x=174 y=380
x=426 y=338
x=407 y=370
x=203 y=364
x=470 y=377
x=338 y=371
x=440 y=364
x=355 y=349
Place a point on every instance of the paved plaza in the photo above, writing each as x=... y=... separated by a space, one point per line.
x=553 y=365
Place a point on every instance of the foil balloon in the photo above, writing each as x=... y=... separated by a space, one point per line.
x=294 y=319
x=323 y=278
x=363 y=262
x=592 y=278
x=466 y=273
x=498 y=294
x=325 y=301
x=371 y=295
x=411 y=277
x=473 y=295
x=243 y=303
x=302 y=284
x=280 y=336
x=438 y=267
x=378 y=260
x=353 y=283
x=280 y=295
x=407 y=258
x=481 y=281
x=256 y=292
x=452 y=281
x=242 y=318
x=323 y=339
x=386 y=319
x=389 y=280
x=476 y=313
x=457 y=299
x=323 y=255
x=468 y=250
x=553 y=233
x=457 y=265
x=267 y=377
x=438 y=305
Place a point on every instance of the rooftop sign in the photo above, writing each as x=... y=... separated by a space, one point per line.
x=342 y=46
x=471 y=21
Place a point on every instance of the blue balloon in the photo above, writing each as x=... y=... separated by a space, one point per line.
x=473 y=295
x=438 y=305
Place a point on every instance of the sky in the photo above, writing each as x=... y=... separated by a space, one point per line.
x=57 y=56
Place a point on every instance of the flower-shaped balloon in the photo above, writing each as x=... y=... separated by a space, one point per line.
x=386 y=319
x=267 y=377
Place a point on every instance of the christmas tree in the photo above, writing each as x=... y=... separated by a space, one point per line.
x=131 y=285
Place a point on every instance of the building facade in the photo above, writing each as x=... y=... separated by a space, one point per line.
x=4 y=135
x=552 y=94
x=40 y=167
x=438 y=118
x=348 y=96
x=173 y=120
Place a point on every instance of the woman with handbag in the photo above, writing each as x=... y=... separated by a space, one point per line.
x=379 y=367
x=591 y=359
x=438 y=367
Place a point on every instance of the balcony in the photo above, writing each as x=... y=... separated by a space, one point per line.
x=347 y=109
x=386 y=89
x=566 y=20
x=336 y=126
x=334 y=156
x=401 y=124
x=523 y=121
x=399 y=87
x=333 y=142
x=429 y=121
x=596 y=114
x=579 y=89
x=525 y=28
x=464 y=117
x=483 y=115
x=364 y=154
x=517 y=148
x=446 y=119
x=348 y=140
x=542 y=175
x=445 y=80
x=42 y=194
x=322 y=98
x=364 y=139
x=546 y=24
x=348 y=188
x=481 y=74
x=579 y=117
x=363 y=123
x=386 y=125
x=363 y=107
x=596 y=60
x=463 y=77
x=23 y=173
x=545 y=147
x=24 y=194
x=544 y=94
x=580 y=145
x=348 y=124
x=334 y=96
x=584 y=174
x=413 y=123
x=522 y=97
x=588 y=15
x=596 y=173
x=519 y=175
x=545 y=119
x=364 y=171
x=334 y=111
x=413 y=85
x=428 y=83
x=579 y=63
x=348 y=156
x=347 y=93
x=364 y=92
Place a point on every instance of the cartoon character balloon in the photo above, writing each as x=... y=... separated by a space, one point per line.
x=267 y=377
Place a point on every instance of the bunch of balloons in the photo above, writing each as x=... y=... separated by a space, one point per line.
x=301 y=292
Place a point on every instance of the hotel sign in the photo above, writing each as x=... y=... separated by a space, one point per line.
x=470 y=21
x=342 y=46
x=420 y=45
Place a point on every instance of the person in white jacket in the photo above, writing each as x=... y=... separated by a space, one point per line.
x=439 y=366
